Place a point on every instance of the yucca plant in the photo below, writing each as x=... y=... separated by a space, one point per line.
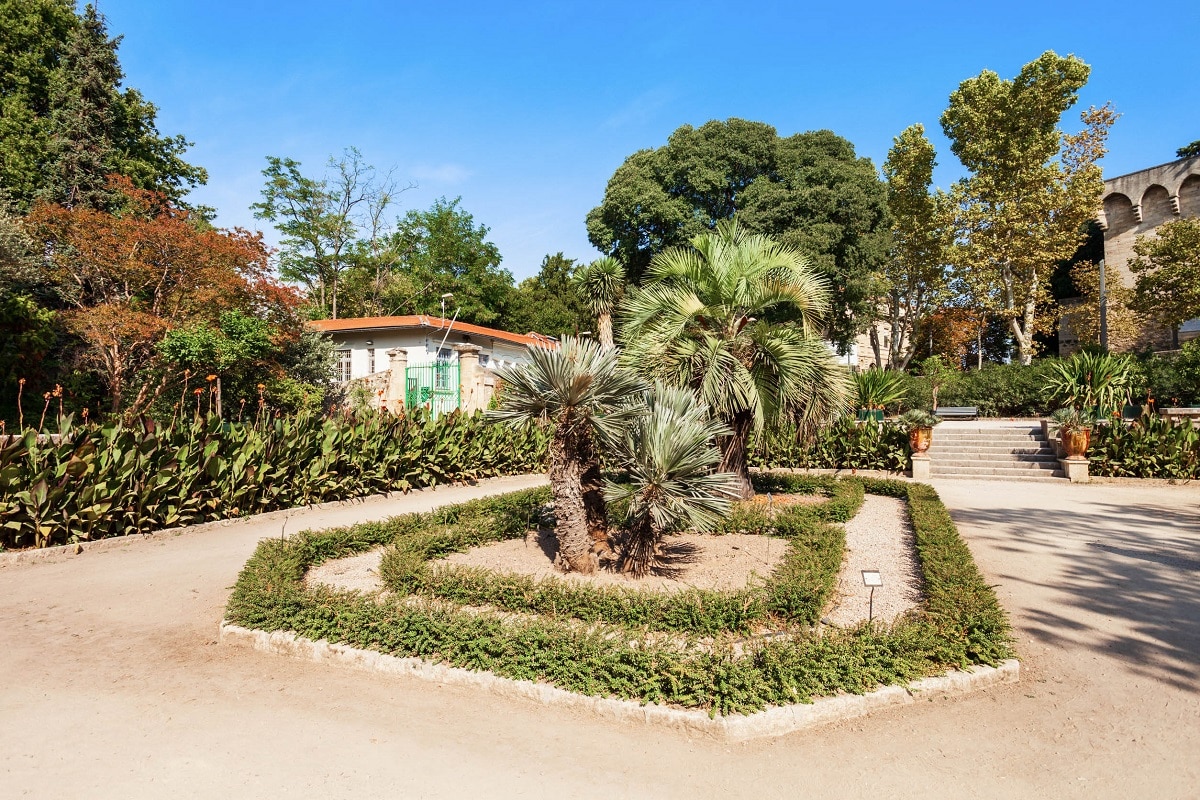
x=876 y=388
x=671 y=460
x=601 y=284
x=736 y=318
x=579 y=389
x=1098 y=382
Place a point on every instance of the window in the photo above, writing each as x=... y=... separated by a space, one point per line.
x=444 y=354
x=483 y=359
x=370 y=360
x=343 y=365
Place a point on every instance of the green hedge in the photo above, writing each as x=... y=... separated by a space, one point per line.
x=961 y=625
x=98 y=481
x=846 y=444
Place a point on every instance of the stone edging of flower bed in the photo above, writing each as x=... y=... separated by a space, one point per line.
x=776 y=721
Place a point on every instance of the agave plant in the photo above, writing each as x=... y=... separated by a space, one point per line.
x=579 y=389
x=918 y=418
x=670 y=457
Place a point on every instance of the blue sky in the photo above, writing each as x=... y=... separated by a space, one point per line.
x=526 y=109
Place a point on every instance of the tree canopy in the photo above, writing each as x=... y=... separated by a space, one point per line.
x=808 y=191
x=1031 y=189
x=1189 y=151
x=66 y=123
x=1167 y=270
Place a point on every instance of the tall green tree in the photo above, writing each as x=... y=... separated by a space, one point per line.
x=1167 y=270
x=320 y=220
x=547 y=302
x=736 y=318
x=442 y=250
x=914 y=281
x=66 y=123
x=809 y=191
x=601 y=284
x=1031 y=188
x=1189 y=151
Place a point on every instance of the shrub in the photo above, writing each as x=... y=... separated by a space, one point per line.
x=843 y=445
x=962 y=623
x=98 y=481
x=1149 y=447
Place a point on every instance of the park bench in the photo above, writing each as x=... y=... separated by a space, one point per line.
x=957 y=412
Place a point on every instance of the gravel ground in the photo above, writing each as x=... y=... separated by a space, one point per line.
x=878 y=538
x=731 y=561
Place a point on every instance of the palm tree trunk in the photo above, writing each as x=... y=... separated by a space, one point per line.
x=733 y=452
x=570 y=513
x=594 y=507
x=604 y=323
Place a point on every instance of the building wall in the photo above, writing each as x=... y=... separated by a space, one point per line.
x=421 y=345
x=1136 y=205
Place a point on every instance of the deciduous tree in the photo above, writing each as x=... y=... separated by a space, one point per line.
x=1031 y=188
x=1167 y=270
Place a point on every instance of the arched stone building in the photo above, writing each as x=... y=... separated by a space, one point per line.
x=1137 y=204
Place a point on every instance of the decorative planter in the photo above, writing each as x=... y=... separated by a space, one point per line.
x=1075 y=442
x=874 y=415
x=919 y=439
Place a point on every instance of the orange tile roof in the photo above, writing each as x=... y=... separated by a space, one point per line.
x=438 y=324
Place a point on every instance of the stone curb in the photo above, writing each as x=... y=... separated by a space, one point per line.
x=64 y=551
x=776 y=721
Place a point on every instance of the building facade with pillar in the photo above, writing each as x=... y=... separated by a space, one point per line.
x=1136 y=205
x=424 y=360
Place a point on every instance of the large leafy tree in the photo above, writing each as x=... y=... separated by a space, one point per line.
x=809 y=191
x=66 y=123
x=1189 y=151
x=1031 y=188
x=442 y=250
x=547 y=302
x=736 y=318
x=914 y=282
x=125 y=280
x=320 y=220
x=580 y=390
x=601 y=285
x=1167 y=270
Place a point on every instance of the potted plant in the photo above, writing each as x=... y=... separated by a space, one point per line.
x=919 y=424
x=1074 y=428
x=876 y=389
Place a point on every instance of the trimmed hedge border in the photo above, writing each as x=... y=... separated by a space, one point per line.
x=962 y=625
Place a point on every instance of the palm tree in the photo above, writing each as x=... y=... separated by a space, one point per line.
x=735 y=318
x=601 y=285
x=670 y=459
x=583 y=392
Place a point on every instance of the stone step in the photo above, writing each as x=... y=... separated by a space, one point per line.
x=1015 y=431
x=988 y=450
x=995 y=472
x=1029 y=476
x=957 y=463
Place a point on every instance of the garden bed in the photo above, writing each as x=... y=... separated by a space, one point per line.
x=723 y=655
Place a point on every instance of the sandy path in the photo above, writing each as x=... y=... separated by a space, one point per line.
x=113 y=686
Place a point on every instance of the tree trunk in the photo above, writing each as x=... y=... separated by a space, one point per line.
x=570 y=513
x=604 y=323
x=733 y=452
x=594 y=507
x=873 y=334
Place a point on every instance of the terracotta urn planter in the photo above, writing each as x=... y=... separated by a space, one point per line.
x=1075 y=441
x=919 y=439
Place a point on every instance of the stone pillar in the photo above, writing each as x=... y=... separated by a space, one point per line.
x=922 y=466
x=1076 y=469
x=470 y=378
x=398 y=364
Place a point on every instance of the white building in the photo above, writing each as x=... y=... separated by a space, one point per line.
x=363 y=342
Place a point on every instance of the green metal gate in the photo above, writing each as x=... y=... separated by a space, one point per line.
x=435 y=386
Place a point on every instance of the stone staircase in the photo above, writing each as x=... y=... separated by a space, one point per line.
x=990 y=451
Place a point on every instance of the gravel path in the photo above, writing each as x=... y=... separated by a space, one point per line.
x=878 y=538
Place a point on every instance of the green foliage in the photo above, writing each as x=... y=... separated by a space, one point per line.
x=1173 y=379
x=844 y=445
x=1001 y=390
x=808 y=191
x=98 y=481
x=1149 y=447
x=1189 y=150
x=547 y=302
x=1101 y=382
x=1167 y=270
x=918 y=418
x=962 y=624
x=876 y=388
x=66 y=123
